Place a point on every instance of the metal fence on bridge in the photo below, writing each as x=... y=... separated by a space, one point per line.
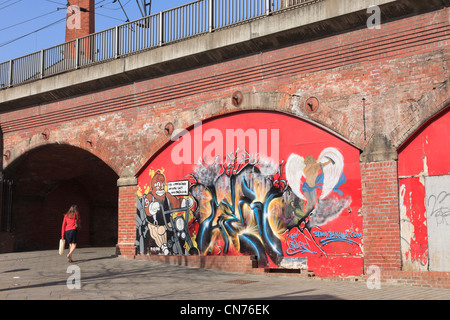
x=195 y=18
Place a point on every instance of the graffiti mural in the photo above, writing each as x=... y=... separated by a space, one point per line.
x=216 y=190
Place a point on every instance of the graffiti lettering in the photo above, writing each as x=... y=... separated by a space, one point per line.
x=240 y=172
x=440 y=207
x=332 y=236
x=297 y=247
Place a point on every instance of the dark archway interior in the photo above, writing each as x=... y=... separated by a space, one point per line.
x=46 y=182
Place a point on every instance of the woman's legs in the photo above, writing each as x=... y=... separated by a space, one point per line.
x=71 y=238
x=72 y=247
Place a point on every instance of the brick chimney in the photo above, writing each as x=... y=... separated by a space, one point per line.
x=80 y=19
x=80 y=22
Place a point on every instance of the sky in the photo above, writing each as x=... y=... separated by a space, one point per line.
x=27 y=26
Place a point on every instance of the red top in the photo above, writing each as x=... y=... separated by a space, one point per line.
x=69 y=223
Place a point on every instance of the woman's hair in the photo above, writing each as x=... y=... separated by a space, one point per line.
x=72 y=210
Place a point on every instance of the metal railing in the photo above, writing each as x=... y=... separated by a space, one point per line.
x=175 y=24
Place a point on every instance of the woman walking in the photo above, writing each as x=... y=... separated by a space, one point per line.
x=71 y=225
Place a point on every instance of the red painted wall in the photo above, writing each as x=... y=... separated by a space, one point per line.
x=425 y=154
x=280 y=220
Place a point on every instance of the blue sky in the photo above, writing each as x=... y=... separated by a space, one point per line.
x=23 y=18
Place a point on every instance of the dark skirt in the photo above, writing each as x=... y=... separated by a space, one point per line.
x=71 y=236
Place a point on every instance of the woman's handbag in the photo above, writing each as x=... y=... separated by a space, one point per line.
x=62 y=244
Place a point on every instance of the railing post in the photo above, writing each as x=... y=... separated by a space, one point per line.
x=42 y=64
x=210 y=15
x=116 y=42
x=161 y=28
x=77 y=52
x=10 y=73
x=268 y=3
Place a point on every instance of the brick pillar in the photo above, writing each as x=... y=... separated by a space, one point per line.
x=127 y=184
x=381 y=214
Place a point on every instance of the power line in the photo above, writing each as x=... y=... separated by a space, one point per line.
x=122 y=9
x=30 y=33
x=103 y=6
x=9 y=4
x=17 y=24
x=103 y=15
x=5 y=2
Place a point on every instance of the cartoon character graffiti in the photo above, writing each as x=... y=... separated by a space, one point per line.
x=156 y=209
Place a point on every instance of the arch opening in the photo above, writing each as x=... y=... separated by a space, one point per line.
x=43 y=183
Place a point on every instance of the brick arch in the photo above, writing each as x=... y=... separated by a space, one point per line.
x=50 y=177
x=271 y=101
x=419 y=113
x=445 y=109
x=38 y=140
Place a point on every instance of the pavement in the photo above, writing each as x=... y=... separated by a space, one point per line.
x=97 y=274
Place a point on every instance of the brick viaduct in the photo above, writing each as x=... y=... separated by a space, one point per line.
x=85 y=135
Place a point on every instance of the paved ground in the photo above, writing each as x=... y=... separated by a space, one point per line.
x=44 y=275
